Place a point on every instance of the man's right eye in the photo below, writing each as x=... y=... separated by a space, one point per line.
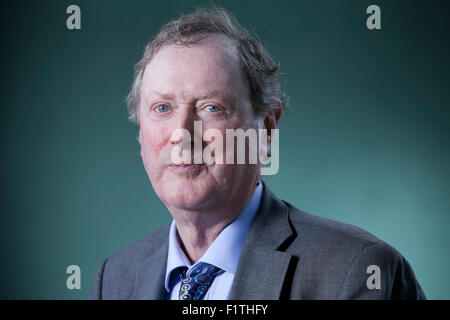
x=161 y=108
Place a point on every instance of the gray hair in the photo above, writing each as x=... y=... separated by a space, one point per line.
x=260 y=71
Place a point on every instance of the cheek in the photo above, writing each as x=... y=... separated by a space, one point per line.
x=152 y=143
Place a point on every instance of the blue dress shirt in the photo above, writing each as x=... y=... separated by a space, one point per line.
x=224 y=252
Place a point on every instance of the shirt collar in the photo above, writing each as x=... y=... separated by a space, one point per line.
x=225 y=250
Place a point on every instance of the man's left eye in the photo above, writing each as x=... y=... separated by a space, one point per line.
x=212 y=108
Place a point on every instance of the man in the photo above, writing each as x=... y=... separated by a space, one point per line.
x=231 y=238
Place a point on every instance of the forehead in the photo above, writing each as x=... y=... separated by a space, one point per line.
x=209 y=65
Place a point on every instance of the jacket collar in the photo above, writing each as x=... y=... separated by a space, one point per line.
x=150 y=274
x=262 y=266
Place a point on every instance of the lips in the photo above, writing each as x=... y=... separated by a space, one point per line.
x=186 y=167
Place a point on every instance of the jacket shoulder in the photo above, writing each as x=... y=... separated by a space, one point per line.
x=337 y=259
x=143 y=247
x=116 y=275
x=327 y=232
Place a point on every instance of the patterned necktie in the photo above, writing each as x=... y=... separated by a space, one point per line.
x=197 y=281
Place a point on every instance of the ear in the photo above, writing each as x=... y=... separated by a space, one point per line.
x=270 y=122
x=273 y=117
x=138 y=138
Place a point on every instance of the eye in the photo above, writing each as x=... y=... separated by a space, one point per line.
x=161 y=108
x=212 y=108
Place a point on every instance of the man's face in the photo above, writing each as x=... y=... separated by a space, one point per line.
x=202 y=82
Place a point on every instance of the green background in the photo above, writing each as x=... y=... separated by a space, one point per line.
x=366 y=140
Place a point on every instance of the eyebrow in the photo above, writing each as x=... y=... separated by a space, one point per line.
x=206 y=95
x=163 y=95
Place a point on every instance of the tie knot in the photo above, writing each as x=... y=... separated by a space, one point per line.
x=198 y=280
x=202 y=270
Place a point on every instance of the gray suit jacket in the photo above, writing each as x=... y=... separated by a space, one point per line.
x=288 y=254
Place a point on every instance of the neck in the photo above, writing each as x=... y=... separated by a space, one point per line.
x=195 y=239
x=198 y=229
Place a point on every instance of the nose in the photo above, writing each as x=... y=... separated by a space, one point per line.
x=183 y=122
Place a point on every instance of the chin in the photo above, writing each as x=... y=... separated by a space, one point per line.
x=185 y=193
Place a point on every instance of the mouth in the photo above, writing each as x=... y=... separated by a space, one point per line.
x=184 y=168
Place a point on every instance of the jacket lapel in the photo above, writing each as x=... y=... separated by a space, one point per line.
x=262 y=266
x=150 y=274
